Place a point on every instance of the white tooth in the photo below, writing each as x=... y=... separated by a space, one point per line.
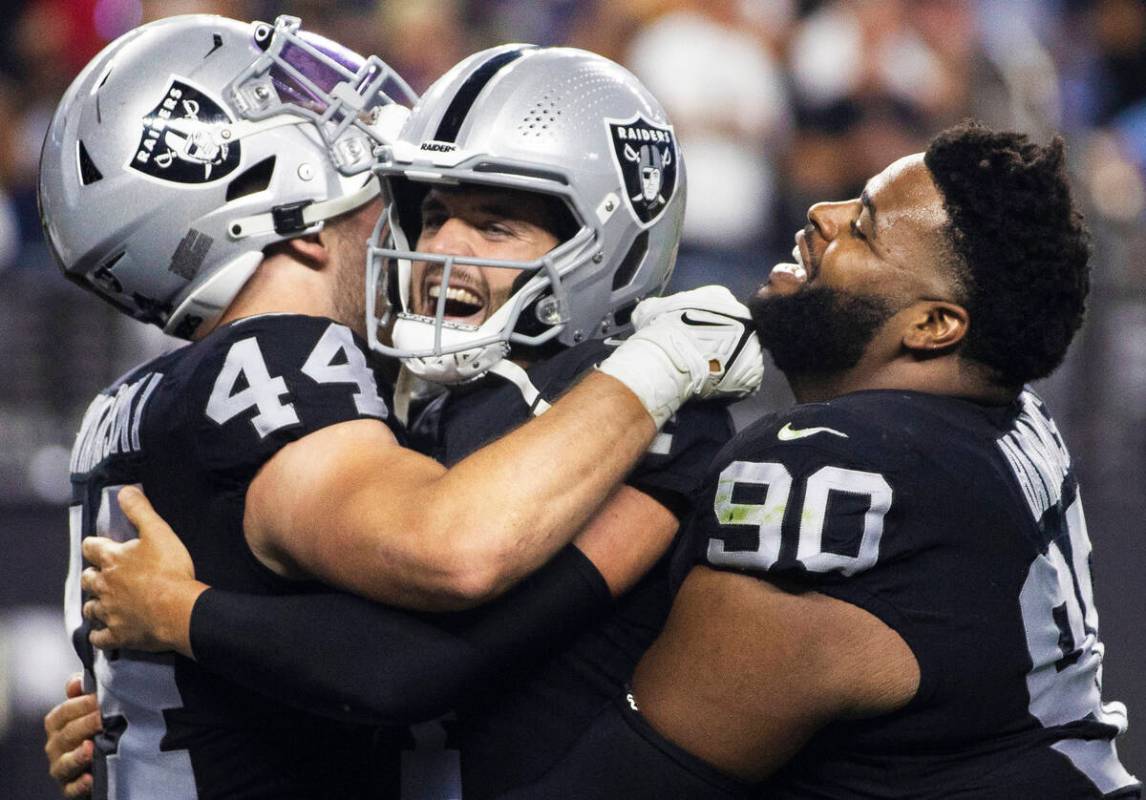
x=463 y=296
x=795 y=270
x=798 y=255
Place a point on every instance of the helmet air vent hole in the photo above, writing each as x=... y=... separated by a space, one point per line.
x=89 y=173
x=255 y=179
x=539 y=117
x=628 y=268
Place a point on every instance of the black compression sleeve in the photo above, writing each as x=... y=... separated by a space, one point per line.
x=343 y=657
x=679 y=504
x=620 y=755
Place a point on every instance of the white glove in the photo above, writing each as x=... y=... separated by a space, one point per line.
x=692 y=344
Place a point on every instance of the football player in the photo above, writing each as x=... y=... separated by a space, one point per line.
x=579 y=121
x=886 y=591
x=471 y=218
x=269 y=441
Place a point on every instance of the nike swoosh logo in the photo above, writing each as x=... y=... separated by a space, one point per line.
x=699 y=322
x=788 y=433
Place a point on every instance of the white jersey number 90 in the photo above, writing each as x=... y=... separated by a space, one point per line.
x=768 y=517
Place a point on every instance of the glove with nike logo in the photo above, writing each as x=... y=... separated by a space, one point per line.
x=691 y=344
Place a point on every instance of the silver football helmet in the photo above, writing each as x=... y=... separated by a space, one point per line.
x=562 y=122
x=190 y=144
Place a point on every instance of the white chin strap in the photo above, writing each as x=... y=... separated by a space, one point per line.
x=265 y=224
x=416 y=334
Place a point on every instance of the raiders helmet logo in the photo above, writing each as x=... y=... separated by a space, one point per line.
x=183 y=138
x=645 y=155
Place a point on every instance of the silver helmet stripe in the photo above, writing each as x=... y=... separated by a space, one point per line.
x=467 y=93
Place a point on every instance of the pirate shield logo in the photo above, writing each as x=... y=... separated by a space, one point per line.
x=183 y=138
x=646 y=158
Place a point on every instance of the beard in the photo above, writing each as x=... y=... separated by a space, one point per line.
x=818 y=331
x=349 y=290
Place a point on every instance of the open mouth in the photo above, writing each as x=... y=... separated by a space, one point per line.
x=460 y=301
x=466 y=296
x=802 y=253
x=798 y=268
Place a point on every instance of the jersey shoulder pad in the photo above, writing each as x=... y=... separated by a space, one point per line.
x=680 y=454
x=880 y=432
x=255 y=385
x=705 y=424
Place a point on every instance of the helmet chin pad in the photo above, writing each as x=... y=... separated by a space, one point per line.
x=416 y=334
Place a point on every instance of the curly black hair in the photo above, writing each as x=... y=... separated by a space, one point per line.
x=1021 y=247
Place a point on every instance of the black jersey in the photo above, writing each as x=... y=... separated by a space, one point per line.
x=463 y=420
x=193 y=427
x=961 y=527
x=510 y=733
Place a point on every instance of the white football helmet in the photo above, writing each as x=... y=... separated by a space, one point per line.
x=190 y=144
x=561 y=122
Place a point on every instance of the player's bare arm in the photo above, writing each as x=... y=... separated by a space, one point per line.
x=395 y=526
x=390 y=524
x=144 y=591
x=745 y=672
x=626 y=536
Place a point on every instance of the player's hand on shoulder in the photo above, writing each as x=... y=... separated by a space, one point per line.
x=719 y=327
x=142 y=591
x=697 y=343
x=70 y=727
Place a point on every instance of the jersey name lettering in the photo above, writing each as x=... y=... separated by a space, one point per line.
x=111 y=424
x=1057 y=599
x=1037 y=456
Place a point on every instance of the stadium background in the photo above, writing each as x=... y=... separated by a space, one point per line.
x=777 y=103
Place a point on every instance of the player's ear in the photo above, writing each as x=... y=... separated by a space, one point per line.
x=936 y=325
x=312 y=250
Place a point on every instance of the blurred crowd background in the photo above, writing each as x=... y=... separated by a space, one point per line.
x=777 y=103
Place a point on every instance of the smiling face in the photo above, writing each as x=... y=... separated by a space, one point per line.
x=864 y=270
x=478 y=222
x=889 y=241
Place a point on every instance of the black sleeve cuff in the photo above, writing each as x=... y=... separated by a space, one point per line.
x=679 y=504
x=564 y=596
